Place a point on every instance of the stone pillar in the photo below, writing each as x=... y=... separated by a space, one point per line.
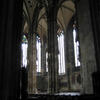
x=88 y=61
x=32 y=52
x=10 y=51
x=95 y=15
x=70 y=62
x=32 y=64
x=52 y=50
x=43 y=57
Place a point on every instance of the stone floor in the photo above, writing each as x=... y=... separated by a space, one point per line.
x=69 y=96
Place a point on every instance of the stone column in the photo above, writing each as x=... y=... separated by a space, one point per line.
x=70 y=62
x=88 y=61
x=52 y=50
x=43 y=57
x=10 y=51
x=32 y=64
x=95 y=15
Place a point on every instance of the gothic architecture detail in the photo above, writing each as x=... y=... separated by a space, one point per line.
x=52 y=19
x=49 y=48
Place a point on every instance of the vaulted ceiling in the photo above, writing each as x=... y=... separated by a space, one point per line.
x=64 y=15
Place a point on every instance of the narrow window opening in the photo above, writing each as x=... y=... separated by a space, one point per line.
x=38 y=48
x=76 y=48
x=46 y=61
x=24 y=47
x=61 y=55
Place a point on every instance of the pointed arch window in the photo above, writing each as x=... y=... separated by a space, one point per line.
x=76 y=48
x=24 y=47
x=38 y=48
x=61 y=55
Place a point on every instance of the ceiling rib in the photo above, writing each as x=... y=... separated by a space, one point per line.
x=68 y=8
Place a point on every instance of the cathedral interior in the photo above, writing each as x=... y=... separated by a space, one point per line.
x=49 y=49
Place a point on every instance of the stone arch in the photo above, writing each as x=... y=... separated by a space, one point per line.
x=65 y=12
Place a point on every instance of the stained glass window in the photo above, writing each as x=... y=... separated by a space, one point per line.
x=24 y=47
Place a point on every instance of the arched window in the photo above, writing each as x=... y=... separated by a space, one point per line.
x=38 y=48
x=61 y=55
x=76 y=48
x=24 y=47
